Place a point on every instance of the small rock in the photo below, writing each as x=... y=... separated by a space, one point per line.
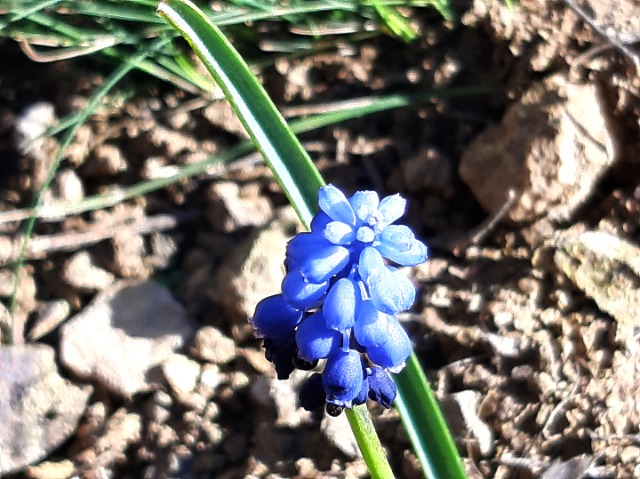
x=232 y=208
x=106 y=160
x=213 y=346
x=256 y=269
x=181 y=374
x=39 y=409
x=607 y=269
x=68 y=187
x=551 y=148
x=52 y=470
x=338 y=431
x=50 y=314
x=126 y=331
x=128 y=252
x=82 y=273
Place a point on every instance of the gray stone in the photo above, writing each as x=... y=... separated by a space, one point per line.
x=39 y=409
x=256 y=269
x=128 y=330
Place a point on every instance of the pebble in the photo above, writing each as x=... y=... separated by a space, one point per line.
x=82 y=273
x=39 y=409
x=213 y=346
x=128 y=329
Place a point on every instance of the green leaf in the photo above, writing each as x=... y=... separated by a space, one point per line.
x=425 y=425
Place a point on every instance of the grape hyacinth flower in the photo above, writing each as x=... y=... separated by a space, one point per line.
x=340 y=299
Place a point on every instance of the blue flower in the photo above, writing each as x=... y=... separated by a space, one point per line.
x=340 y=299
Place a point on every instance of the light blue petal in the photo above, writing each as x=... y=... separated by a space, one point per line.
x=315 y=340
x=342 y=305
x=391 y=208
x=392 y=354
x=372 y=326
x=370 y=262
x=334 y=203
x=275 y=318
x=300 y=293
x=381 y=284
x=342 y=377
x=364 y=204
x=398 y=244
x=340 y=233
x=315 y=258
x=365 y=234
x=406 y=288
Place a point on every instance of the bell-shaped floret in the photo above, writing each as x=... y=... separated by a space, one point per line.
x=398 y=243
x=334 y=203
x=372 y=326
x=391 y=208
x=342 y=305
x=342 y=377
x=337 y=232
x=275 y=318
x=312 y=395
x=300 y=293
x=387 y=295
x=364 y=204
x=281 y=354
x=315 y=340
x=407 y=288
x=381 y=387
x=362 y=396
x=394 y=352
x=316 y=258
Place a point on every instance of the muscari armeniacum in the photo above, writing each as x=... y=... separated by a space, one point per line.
x=340 y=299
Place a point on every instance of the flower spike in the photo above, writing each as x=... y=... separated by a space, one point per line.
x=340 y=299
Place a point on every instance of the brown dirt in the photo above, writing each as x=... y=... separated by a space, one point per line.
x=548 y=364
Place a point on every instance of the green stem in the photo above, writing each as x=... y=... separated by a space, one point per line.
x=425 y=425
x=369 y=443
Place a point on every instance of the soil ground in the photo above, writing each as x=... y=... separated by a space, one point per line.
x=527 y=194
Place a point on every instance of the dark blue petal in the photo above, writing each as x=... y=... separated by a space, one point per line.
x=381 y=387
x=372 y=326
x=312 y=394
x=315 y=258
x=342 y=305
x=334 y=203
x=340 y=233
x=300 y=293
x=398 y=244
x=319 y=221
x=281 y=354
x=315 y=340
x=393 y=353
x=391 y=208
x=342 y=377
x=362 y=396
x=364 y=204
x=275 y=318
